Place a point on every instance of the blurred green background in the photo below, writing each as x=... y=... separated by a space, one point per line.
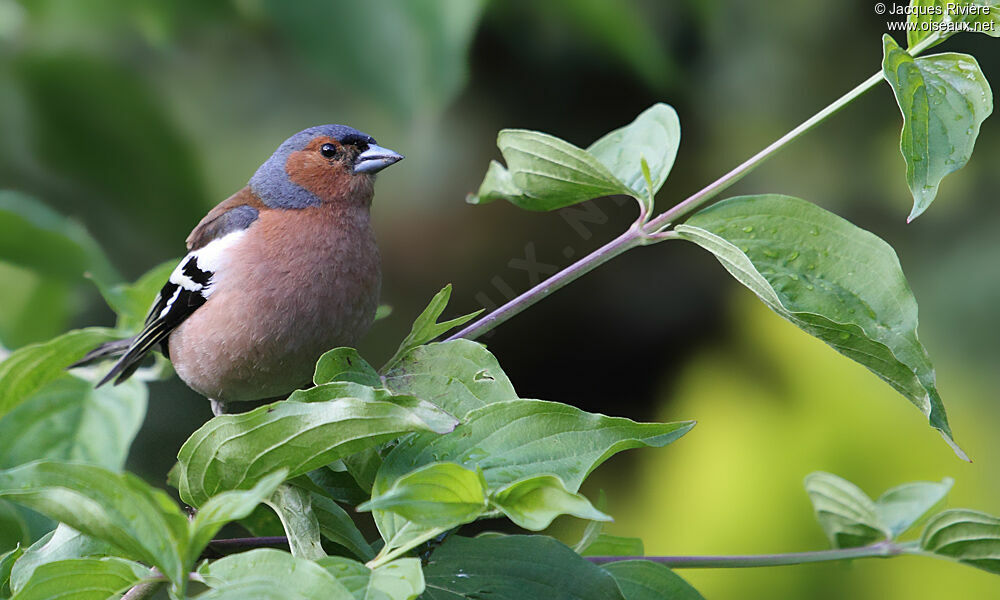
x=135 y=117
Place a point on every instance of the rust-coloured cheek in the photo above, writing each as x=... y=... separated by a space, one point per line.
x=310 y=170
x=330 y=182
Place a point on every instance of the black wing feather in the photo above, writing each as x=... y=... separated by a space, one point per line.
x=174 y=304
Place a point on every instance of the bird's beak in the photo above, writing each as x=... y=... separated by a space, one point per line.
x=375 y=158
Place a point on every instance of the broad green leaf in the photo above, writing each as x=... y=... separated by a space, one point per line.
x=850 y=518
x=26 y=370
x=533 y=503
x=968 y=536
x=902 y=506
x=117 y=508
x=548 y=172
x=613 y=545
x=831 y=279
x=82 y=579
x=226 y=507
x=246 y=571
x=944 y=99
x=982 y=16
x=7 y=560
x=846 y=514
x=457 y=376
x=62 y=543
x=338 y=527
x=235 y=451
x=401 y=579
x=340 y=485
x=646 y=580
x=426 y=327
x=132 y=301
x=33 y=235
x=257 y=588
x=655 y=135
x=362 y=467
x=517 y=439
x=345 y=364
x=440 y=494
x=68 y=419
x=293 y=506
x=514 y=567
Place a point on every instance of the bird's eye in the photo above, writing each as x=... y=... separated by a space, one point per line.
x=328 y=150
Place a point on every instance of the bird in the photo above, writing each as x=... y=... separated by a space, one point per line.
x=282 y=271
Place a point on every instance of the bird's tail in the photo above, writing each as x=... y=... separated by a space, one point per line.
x=112 y=349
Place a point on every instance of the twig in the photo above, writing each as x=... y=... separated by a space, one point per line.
x=879 y=550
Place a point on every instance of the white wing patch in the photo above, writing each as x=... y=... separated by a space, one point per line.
x=196 y=273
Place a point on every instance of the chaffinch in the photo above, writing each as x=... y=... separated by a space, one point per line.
x=282 y=271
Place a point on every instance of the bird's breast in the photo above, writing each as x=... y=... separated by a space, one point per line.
x=298 y=284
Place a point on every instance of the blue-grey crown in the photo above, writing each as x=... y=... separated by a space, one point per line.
x=271 y=183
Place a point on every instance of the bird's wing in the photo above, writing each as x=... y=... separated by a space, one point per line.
x=190 y=284
x=232 y=214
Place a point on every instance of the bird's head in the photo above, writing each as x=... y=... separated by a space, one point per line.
x=323 y=164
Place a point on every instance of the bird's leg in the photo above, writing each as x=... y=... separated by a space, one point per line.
x=218 y=407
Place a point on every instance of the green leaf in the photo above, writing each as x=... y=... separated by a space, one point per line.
x=236 y=451
x=654 y=136
x=7 y=561
x=117 y=508
x=84 y=578
x=831 y=279
x=514 y=567
x=533 y=503
x=62 y=543
x=68 y=419
x=248 y=572
x=345 y=364
x=613 y=545
x=401 y=579
x=338 y=527
x=26 y=370
x=846 y=514
x=517 y=439
x=341 y=485
x=902 y=506
x=954 y=13
x=132 y=301
x=293 y=506
x=226 y=507
x=944 y=99
x=850 y=518
x=33 y=235
x=383 y=311
x=426 y=327
x=548 y=172
x=646 y=580
x=440 y=494
x=458 y=376
x=968 y=536
x=362 y=467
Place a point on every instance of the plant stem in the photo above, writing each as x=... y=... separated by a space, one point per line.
x=629 y=239
x=641 y=233
x=879 y=550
